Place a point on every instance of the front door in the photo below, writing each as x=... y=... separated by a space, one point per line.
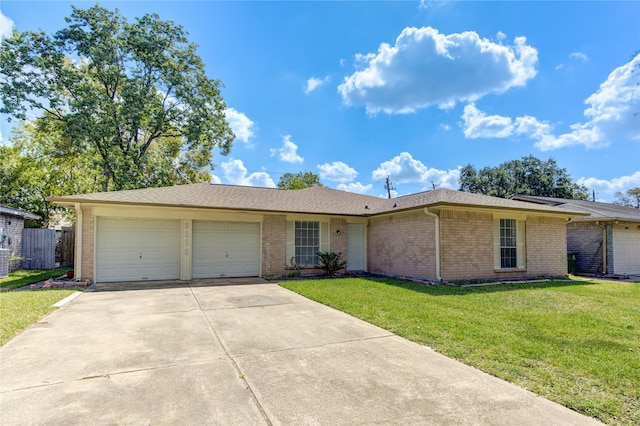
x=355 y=247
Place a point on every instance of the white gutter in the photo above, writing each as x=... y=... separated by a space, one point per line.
x=437 y=218
x=77 y=258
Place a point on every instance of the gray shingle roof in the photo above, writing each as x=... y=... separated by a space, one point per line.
x=11 y=211
x=319 y=200
x=595 y=210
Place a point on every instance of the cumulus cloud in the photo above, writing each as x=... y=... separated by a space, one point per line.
x=478 y=124
x=241 y=125
x=356 y=187
x=289 y=151
x=237 y=174
x=607 y=188
x=313 y=83
x=425 y=67
x=337 y=172
x=215 y=179
x=404 y=168
x=6 y=26
x=611 y=113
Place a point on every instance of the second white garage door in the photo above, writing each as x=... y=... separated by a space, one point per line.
x=626 y=249
x=225 y=249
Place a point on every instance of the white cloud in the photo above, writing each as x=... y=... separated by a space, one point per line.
x=241 y=125
x=6 y=26
x=313 y=83
x=288 y=152
x=426 y=68
x=356 y=187
x=579 y=56
x=477 y=124
x=404 y=168
x=215 y=179
x=236 y=173
x=337 y=172
x=611 y=113
x=607 y=188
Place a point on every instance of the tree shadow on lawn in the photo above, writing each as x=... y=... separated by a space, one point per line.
x=449 y=290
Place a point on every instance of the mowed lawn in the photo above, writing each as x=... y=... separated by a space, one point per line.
x=573 y=342
x=20 y=309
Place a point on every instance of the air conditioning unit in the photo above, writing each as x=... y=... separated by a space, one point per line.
x=4 y=263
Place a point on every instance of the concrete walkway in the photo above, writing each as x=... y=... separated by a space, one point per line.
x=258 y=354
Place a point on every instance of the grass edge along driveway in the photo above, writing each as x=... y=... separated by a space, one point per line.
x=573 y=342
x=21 y=309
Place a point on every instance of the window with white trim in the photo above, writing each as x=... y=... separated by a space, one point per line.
x=307 y=242
x=508 y=246
x=509 y=243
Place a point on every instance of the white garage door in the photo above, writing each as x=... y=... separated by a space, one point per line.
x=137 y=249
x=626 y=249
x=225 y=249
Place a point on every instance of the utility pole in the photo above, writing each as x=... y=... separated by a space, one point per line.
x=388 y=186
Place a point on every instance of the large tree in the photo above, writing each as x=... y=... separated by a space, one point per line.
x=37 y=164
x=299 y=180
x=134 y=95
x=528 y=176
x=629 y=198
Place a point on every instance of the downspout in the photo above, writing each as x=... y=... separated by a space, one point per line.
x=437 y=219
x=77 y=261
x=605 y=269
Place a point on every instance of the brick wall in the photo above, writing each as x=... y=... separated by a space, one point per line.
x=13 y=232
x=88 y=243
x=466 y=246
x=274 y=234
x=403 y=245
x=338 y=242
x=586 y=240
x=546 y=246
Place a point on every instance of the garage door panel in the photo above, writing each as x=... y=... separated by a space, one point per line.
x=626 y=249
x=137 y=249
x=225 y=249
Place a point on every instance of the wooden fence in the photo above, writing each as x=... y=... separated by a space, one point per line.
x=65 y=246
x=38 y=248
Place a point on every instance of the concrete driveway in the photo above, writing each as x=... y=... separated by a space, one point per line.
x=241 y=354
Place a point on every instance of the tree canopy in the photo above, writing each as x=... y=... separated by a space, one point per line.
x=528 y=176
x=299 y=180
x=132 y=99
x=629 y=198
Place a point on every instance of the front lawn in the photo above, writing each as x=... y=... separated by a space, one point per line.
x=20 y=309
x=24 y=277
x=573 y=342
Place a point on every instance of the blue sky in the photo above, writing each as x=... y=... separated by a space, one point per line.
x=357 y=91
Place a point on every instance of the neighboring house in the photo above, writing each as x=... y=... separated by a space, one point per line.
x=11 y=226
x=206 y=231
x=607 y=241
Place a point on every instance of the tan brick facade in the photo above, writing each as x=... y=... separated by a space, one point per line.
x=88 y=243
x=403 y=245
x=466 y=245
x=274 y=234
x=338 y=242
x=546 y=246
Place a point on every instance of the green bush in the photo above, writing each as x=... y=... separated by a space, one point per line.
x=331 y=262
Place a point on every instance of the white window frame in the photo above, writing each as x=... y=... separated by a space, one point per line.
x=293 y=244
x=499 y=240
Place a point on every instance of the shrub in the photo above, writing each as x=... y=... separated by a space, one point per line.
x=331 y=262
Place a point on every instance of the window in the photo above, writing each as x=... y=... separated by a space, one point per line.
x=307 y=242
x=509 y=243
x=508 y=246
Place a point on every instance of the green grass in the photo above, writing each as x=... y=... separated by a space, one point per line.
x=25 y=277
x=20 y=309
x=573 y=342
